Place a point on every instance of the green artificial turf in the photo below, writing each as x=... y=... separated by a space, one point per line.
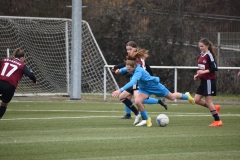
x=93 y=130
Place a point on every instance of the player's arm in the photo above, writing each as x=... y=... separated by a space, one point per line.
x=123 y=70
x=121 y=65
x=27 y=72
x=136 y=76
x=213 y=65
x=148 y=69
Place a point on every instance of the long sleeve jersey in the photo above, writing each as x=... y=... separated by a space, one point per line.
x=141 y=76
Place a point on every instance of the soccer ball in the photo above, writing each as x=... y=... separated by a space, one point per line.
x=162 y=120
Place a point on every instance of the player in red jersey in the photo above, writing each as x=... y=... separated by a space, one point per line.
x=206 y=72
x=11 y=72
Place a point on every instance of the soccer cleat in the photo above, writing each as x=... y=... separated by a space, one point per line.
x=218 y=107
x=137 y=119
x=149 y=122
x=127 y=116
x=142 y=123
x=190 y=98
x=165 y=106
x=161 y=102
x=216 y=124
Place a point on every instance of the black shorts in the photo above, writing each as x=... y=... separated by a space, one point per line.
x=133 y=88
x=207 y=88
x=7 y=91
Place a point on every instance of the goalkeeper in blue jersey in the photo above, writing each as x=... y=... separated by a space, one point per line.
x=128 y=93
x=147 y=84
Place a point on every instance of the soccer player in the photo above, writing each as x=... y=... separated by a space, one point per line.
x=147 y=84
x=12 y=70
x=127 y=95
x=206 y=73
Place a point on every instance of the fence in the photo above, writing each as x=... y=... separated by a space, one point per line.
x=162 y=67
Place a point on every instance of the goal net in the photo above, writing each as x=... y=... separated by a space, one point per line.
x=47 y=44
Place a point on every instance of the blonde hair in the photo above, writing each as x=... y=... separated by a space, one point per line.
x=18 y=53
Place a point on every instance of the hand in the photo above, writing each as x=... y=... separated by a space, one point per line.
x=113 y=69
x=117 y=71
x=195 y=77
x=200 y=72
x=116 y=93
x=238 y=74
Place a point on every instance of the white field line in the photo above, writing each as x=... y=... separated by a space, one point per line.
x=79 y=117
x=112 y=111
x=46 y=118
x=29 y=110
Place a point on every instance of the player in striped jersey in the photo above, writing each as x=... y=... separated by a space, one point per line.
x=12 y=69
x=206 y=72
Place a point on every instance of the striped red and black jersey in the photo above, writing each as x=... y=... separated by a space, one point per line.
x=11 y=71
x=207 y=62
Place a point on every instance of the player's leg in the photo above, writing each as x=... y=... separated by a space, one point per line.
x=198 y=100
x=3 y=109
x=217 y=121
x=210 y=91
x=127 y=110
x=7 y=91
x=177 y=95
x=138 y=117
x=128 y=113
x=138 y=101
x=123 y=98
x=151 y=100
x=199 y=94
x=202 y=90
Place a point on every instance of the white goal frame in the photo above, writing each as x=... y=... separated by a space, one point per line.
x=56 y=32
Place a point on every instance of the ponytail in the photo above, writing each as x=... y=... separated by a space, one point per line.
x=18 y=53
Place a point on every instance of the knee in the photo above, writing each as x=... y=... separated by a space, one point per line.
x=208 y=103
x=137 y=101
x=197 y=101
x=122 y=96
x=171 y=97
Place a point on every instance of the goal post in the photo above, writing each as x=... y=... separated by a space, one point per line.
x=47 y=44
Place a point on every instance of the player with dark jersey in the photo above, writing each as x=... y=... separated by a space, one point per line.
x=206 y=72
x=11 y=71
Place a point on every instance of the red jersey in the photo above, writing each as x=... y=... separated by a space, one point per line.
x=11 y=71
x=206 y=62
x=142 y=63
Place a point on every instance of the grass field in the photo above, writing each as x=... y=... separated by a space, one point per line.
x=92 y=130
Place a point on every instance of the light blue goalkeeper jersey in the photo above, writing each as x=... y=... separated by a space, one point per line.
x=141 y=76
